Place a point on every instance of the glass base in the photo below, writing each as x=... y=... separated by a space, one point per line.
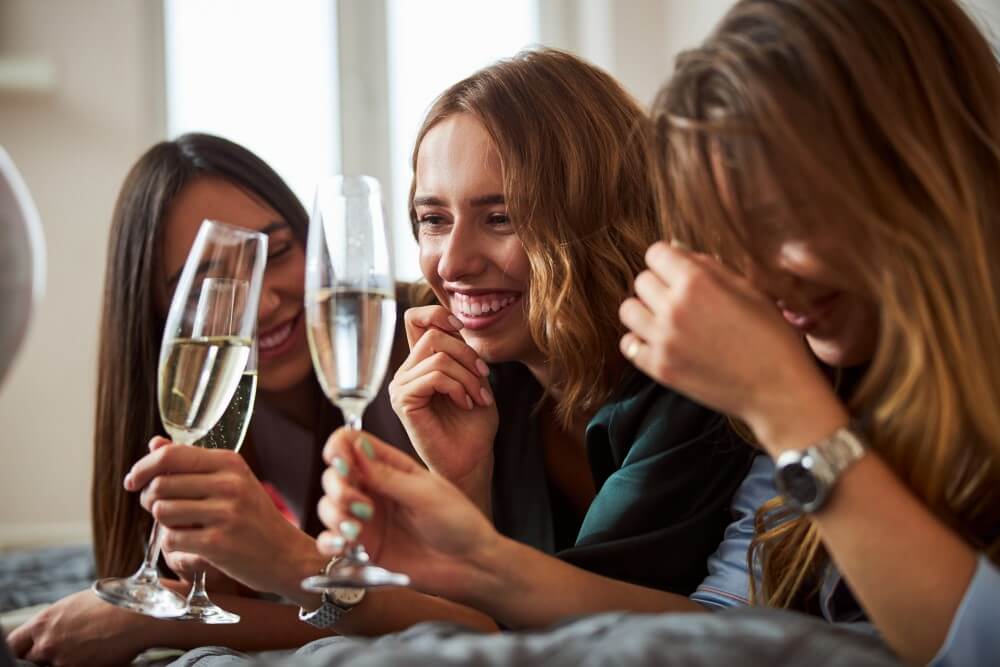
x=211 y=614
x=355 y=575
x=145 y=596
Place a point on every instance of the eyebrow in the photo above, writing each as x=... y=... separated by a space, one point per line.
x=483 y=200
x=270 y=228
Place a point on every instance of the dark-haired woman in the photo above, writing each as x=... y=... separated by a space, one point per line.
x=275 y=480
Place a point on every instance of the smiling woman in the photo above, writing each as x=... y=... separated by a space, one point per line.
x=269 y=493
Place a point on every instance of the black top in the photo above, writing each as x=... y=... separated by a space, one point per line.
x=665 y=469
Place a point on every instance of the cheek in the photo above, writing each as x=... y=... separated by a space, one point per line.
x=513 y=261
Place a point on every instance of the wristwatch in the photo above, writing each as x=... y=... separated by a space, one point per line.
x=336 y=602
x=806 y=477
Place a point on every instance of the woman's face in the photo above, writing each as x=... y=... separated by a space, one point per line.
x=469 y=252
x=840 y=324
x=283 y=352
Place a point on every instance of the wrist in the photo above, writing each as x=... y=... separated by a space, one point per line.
x=477 y=485
x=797 y=419
x=302 y=560
x=490 y=576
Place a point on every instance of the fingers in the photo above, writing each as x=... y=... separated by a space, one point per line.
x=435 y=341
x=180 y=459
x=173 y=487
x=439 y=374
x=418 y=320
x=186 y=565
x=637 y=316
x=192 y=513
x=20 y=639
x=389 y=472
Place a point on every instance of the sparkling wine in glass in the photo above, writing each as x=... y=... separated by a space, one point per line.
x=351 y=320
x=204 y=355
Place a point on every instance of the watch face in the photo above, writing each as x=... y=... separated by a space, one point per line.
x=798 y=483
x=347 y=597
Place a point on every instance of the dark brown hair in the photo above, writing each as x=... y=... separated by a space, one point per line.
x=874 y=126
x=127 y=415
x=577 y=186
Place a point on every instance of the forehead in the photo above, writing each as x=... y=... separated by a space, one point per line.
x=211 y=198
x=458 y=160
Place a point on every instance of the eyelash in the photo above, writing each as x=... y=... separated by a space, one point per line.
x=494 y=219
x=280 y=252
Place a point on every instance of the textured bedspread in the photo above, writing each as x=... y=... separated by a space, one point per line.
x=739 y=637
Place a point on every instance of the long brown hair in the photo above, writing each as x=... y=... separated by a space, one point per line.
x=127 y=415
x=578 y=192
x=875 y=124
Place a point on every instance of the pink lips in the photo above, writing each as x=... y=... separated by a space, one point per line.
x=278 y=340
x=809 y=320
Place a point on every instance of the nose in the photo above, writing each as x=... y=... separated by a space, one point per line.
x=463 y=253
x=270 y=301
x=776 y=282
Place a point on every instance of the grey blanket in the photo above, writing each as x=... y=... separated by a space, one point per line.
x=44 y=575
x=743 y=637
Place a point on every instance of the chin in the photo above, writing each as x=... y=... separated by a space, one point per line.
x=838 y=354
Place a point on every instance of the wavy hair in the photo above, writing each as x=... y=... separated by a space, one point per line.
x=576 y=178
x=875 y=124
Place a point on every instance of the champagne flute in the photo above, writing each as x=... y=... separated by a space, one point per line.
x=198 y=376
x=220 y=307
x=351 y=320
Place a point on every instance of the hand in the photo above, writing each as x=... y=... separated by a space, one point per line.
x=708 y=333
x=82 y=630
x=422 y=525
x=442 y=396
x=214 y=511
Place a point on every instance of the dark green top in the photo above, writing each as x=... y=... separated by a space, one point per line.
x=665 y=469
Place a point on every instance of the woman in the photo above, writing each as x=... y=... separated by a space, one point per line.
x=169 y=191
x=532 y=221
x=821 y=185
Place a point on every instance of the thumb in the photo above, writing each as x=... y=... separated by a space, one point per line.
x=409 y=488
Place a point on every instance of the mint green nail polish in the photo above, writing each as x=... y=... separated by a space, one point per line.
x=341 y=466
x=363 y=511
x=367 y=448
x=350 y=529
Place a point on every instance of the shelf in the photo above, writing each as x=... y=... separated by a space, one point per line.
x=26 y=75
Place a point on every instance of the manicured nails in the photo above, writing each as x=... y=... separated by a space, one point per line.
x=362 y=510
x=367 y=447
x=455 y=322
x=127 y=483
x=680 y=245
x=468 y=402
x=341 y=466
x=483 y=369
x=350 y=529
x=487 y=398
x=334 y=543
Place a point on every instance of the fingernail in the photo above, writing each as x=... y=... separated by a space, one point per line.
x=487 y=398
x=481 y=366
x=350 y=529
x=679 y=245
x=455 y=322
x=363 y=511
x=340 y=465
x=367 y=448
x=468 y=401
x=332 y=542
x=128 y=482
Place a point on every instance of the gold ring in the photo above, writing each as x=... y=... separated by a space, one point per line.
x=632 y=351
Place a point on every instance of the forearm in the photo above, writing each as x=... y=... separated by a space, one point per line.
x=524 y=588
x=906 y=568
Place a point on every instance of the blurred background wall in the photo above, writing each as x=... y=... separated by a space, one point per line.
x=313 y=86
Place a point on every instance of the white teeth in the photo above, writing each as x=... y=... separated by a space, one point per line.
x=275 y=339
x=471 y=307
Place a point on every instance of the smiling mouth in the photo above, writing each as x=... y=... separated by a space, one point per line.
x=818 y=311
x=277 y=339
x=478 y=310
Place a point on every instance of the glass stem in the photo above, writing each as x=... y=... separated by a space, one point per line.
x=148 y=570
x=353 y=420
x=198 y=598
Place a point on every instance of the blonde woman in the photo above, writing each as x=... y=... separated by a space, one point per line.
x=830 y=177
x=532 y=219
